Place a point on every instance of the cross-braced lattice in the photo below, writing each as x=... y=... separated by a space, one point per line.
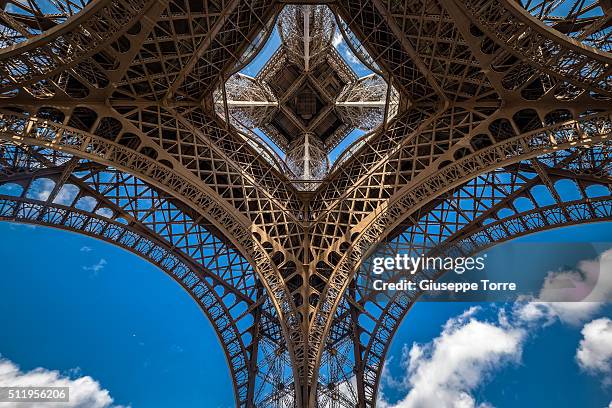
x=133 y=121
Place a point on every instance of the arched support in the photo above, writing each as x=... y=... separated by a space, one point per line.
x=33 y=62
x=505 y=210
x=483 y=84
x=184 y=272
x=456 y=215
x=407 y=200
x=542 y=219
x=63 y=191
x=547 y=49
x=21 y=128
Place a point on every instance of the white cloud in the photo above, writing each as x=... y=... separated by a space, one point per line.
x=445 y=372
x=86 y=203
x=348 y=388
x=66 y=195
x=337 y=39
x=339 y=43
x=85 y=392
x=352 y=58
x=41 y=189
x=594 y=354
x=97 y=267
x=574 y=313
x=104 y=212
x=85 y=249
x=573 y=297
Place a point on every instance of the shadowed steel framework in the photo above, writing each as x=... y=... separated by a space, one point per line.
x=484 y=120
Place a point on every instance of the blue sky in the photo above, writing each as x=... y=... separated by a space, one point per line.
x=542 y=371
x=77 y=309
x=84 y=308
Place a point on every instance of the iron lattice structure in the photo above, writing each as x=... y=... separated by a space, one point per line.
x=128 y=121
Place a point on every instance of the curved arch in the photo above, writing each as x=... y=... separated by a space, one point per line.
x=377 y=224
x=89 y=10
x=585 y=22
x=587 y=131
x=67 y=44
x=52 y=186
x=175 y=265
x=538 y=26
x=537 y=220
x=22 y=21
x=482 y=199
x=527 y=36
x=479 y=228
x=413 y=196
x=19 y=128
x=34 y=131
x=465 y=110
x=129 y=201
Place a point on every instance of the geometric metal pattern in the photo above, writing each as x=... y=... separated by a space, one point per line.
x=306 y=98
x=113 y=124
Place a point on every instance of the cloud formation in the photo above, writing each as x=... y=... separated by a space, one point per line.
x=97 y=267
x=445 y=372
x=594 y=354
x=340 y=45
x=573 y=297
x=66 y=195
x=337 y=39
x=41 y=189
x=85 y=392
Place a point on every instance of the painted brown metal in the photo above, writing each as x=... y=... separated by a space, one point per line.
x=118 y=100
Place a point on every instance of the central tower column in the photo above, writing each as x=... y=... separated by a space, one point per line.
x=307 y=158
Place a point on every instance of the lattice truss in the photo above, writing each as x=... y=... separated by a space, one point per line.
x=129 y=121
x=306 y=98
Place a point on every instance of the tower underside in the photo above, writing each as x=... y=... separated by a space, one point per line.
x=139 y=120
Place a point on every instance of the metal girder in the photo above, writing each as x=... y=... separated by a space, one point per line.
x=551 y=51
x=75 y=54
x=64 y=192
x=490 y=209
x=125 y=92
x=584 y=21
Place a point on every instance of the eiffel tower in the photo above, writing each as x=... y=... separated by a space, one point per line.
x=478 y=121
